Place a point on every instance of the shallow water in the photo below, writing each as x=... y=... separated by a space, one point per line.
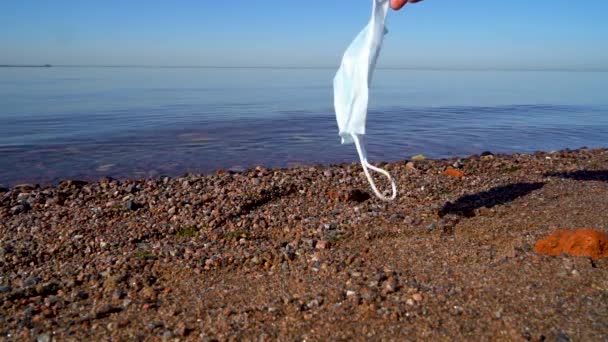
x=68 y=122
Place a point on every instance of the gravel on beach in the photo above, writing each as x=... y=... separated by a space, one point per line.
x=308 y=253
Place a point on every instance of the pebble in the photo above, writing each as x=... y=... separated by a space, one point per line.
x=458 y=164
x=5 y=289
x=562 y=337
x=118 y=294
x=181 y=329
x=43 y=338
x=168 y=334
x=23 y=196
x=131 y=205
x=32 y=281
x=417 y=297
x=322 y=244
x=25 y=187
x=390 y=285
x=20 y=208
x=453 y=173
x=328 y=173
x=418 y=157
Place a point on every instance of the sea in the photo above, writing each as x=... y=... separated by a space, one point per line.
x=61 y=123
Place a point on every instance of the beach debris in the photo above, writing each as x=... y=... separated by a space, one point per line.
x=351 y=89
x=453 y=173
x=581 y=242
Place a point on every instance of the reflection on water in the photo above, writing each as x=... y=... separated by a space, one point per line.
x=58 y=123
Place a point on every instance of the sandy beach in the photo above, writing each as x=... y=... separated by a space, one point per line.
x=307 y=254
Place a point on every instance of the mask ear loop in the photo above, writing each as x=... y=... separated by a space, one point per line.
x=366 y=165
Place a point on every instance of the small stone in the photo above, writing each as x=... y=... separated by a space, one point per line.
x=390 y=285
x=154 y=325
x=31 y=281
x=419 y=157
x=498 y=314
x=43 y=338
x=417 y=297
x=327 y=173
x=453 y=173
x=409 y=302
x=117 y=295
x=25 y=187
x=410 y=166
x=5 y=289
x=181 y=329
x=172 y=211
x=309 y=242
x=457 y=310
x=350 y=293
x=431 y=227
x=20 y=208
x=131 y=189
x=168 y=334
x=562 y=337
x=81 y=295
x=322 y=244
x=23 y=196
x=131 y=205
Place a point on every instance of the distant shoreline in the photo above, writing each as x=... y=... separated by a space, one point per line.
x=302 y=67
x=25 y=66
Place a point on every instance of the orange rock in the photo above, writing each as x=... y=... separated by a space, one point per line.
x=453 y=173
x=581 y=242
x=221 y=172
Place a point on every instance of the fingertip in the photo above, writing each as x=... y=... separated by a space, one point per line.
x=398 y=4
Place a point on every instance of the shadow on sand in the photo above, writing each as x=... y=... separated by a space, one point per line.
x=466 y=205
x=583 y=175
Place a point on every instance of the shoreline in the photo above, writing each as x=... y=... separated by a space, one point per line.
x=97 y=177
x=309 y=253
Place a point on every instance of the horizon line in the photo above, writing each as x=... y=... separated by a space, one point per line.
x=297 y=67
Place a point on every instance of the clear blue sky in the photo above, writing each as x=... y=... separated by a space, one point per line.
x=434 y=33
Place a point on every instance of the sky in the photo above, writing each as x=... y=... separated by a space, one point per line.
x=514 y=34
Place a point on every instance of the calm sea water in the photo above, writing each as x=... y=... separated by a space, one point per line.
x=65 y=122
